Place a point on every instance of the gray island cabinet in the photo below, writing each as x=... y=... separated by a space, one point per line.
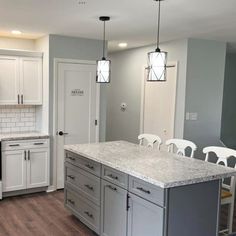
x=122 y=189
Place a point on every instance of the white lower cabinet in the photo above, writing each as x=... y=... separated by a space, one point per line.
x=25 y=168
x=37 y=168
x=13 y=170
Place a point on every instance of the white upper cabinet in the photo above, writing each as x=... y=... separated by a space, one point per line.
x=31 y=81
x=20 y=80
x=9 y=80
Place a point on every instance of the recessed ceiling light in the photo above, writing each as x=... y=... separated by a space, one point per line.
x=122 y=45
x=16 y=32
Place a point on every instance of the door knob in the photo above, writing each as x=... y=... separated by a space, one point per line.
x=61 y=133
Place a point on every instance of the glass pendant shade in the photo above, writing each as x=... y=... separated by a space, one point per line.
x=157 y=66
x=103 y=71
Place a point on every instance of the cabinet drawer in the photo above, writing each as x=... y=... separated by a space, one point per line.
x=147 y=191
x=115 y=176
x=84 y=163
x=25 y=144
x=84 y=182
x=85 y=210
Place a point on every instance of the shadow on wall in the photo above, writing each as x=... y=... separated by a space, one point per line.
x=228 y=120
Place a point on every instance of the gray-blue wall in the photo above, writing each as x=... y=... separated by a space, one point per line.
x=228 y=123
x=204 y=92
x=126 y=80
x=78 y=49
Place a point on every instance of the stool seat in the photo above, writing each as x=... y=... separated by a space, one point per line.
x=225 y=194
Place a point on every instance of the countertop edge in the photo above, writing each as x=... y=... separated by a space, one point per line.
x=152 y=181
x=26 y=137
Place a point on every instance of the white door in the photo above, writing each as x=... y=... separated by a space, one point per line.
x=13 y=170
x=9 y=80
x=78 y=109
x=158 y=112
x=31 y=80
x=37 y=168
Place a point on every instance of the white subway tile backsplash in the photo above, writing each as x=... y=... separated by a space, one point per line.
x=17 y=118
x=5 y=120
x=20 y=124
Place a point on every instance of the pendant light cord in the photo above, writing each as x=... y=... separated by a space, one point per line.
x=104 y=39
x=158 y=24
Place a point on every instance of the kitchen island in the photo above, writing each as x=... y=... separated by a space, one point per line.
x=120 y=188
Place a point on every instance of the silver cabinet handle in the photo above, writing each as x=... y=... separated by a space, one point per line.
x=143 y=190
x=71 y=201
x=89 y=166
x=89 y=187
x=71 y=176
x=71 y=158
x=113 y=176
x=28 y=155
x=38 y=143
x=18 y=98
x=14 y=145
x=88 y=214
x=112 y=188
x=22 y=99
x=25 y=155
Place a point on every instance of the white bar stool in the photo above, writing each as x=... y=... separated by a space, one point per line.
x=149 y=140
x=181 y=145
x=228 y=190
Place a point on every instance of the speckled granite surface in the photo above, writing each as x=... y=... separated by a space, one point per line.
x=159 y=168
x=22 y=135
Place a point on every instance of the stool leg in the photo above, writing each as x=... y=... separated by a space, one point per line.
x=231 y=217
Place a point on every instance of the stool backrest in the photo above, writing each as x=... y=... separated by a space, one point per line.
x=181 y=145
x=222 y=154
x=150 y=140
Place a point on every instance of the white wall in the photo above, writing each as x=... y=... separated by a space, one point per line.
x=127 y=75
x=17 y=43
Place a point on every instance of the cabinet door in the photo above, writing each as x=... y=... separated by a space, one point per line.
x=9 y=80
x=38 y=168
x=114 y=210
x=144 y=217
x=13 y=170
x=31 y=81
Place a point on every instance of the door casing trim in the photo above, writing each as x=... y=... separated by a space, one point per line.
x=56 y=61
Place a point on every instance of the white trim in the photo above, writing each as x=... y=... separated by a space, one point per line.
x=23 y=53
x=56 y=61
x=143 y=83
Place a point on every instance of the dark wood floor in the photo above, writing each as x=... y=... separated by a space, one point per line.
x=39 y=215
x=44 y=214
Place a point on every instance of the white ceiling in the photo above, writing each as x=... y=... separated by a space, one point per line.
x=132 y=21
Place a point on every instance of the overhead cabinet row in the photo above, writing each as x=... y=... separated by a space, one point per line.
x=20 y=80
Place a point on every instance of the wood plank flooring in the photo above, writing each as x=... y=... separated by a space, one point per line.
x=43 y=214
x=39 y=214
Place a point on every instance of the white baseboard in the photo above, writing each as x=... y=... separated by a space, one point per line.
x=51 y=188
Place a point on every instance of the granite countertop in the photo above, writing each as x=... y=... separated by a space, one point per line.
x=160 y=168
x=22 y=135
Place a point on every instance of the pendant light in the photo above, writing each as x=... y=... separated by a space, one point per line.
x=157 y=60
x=103 y=65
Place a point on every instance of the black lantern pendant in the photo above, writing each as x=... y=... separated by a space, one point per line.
x=103 y=66
x=157 y=60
